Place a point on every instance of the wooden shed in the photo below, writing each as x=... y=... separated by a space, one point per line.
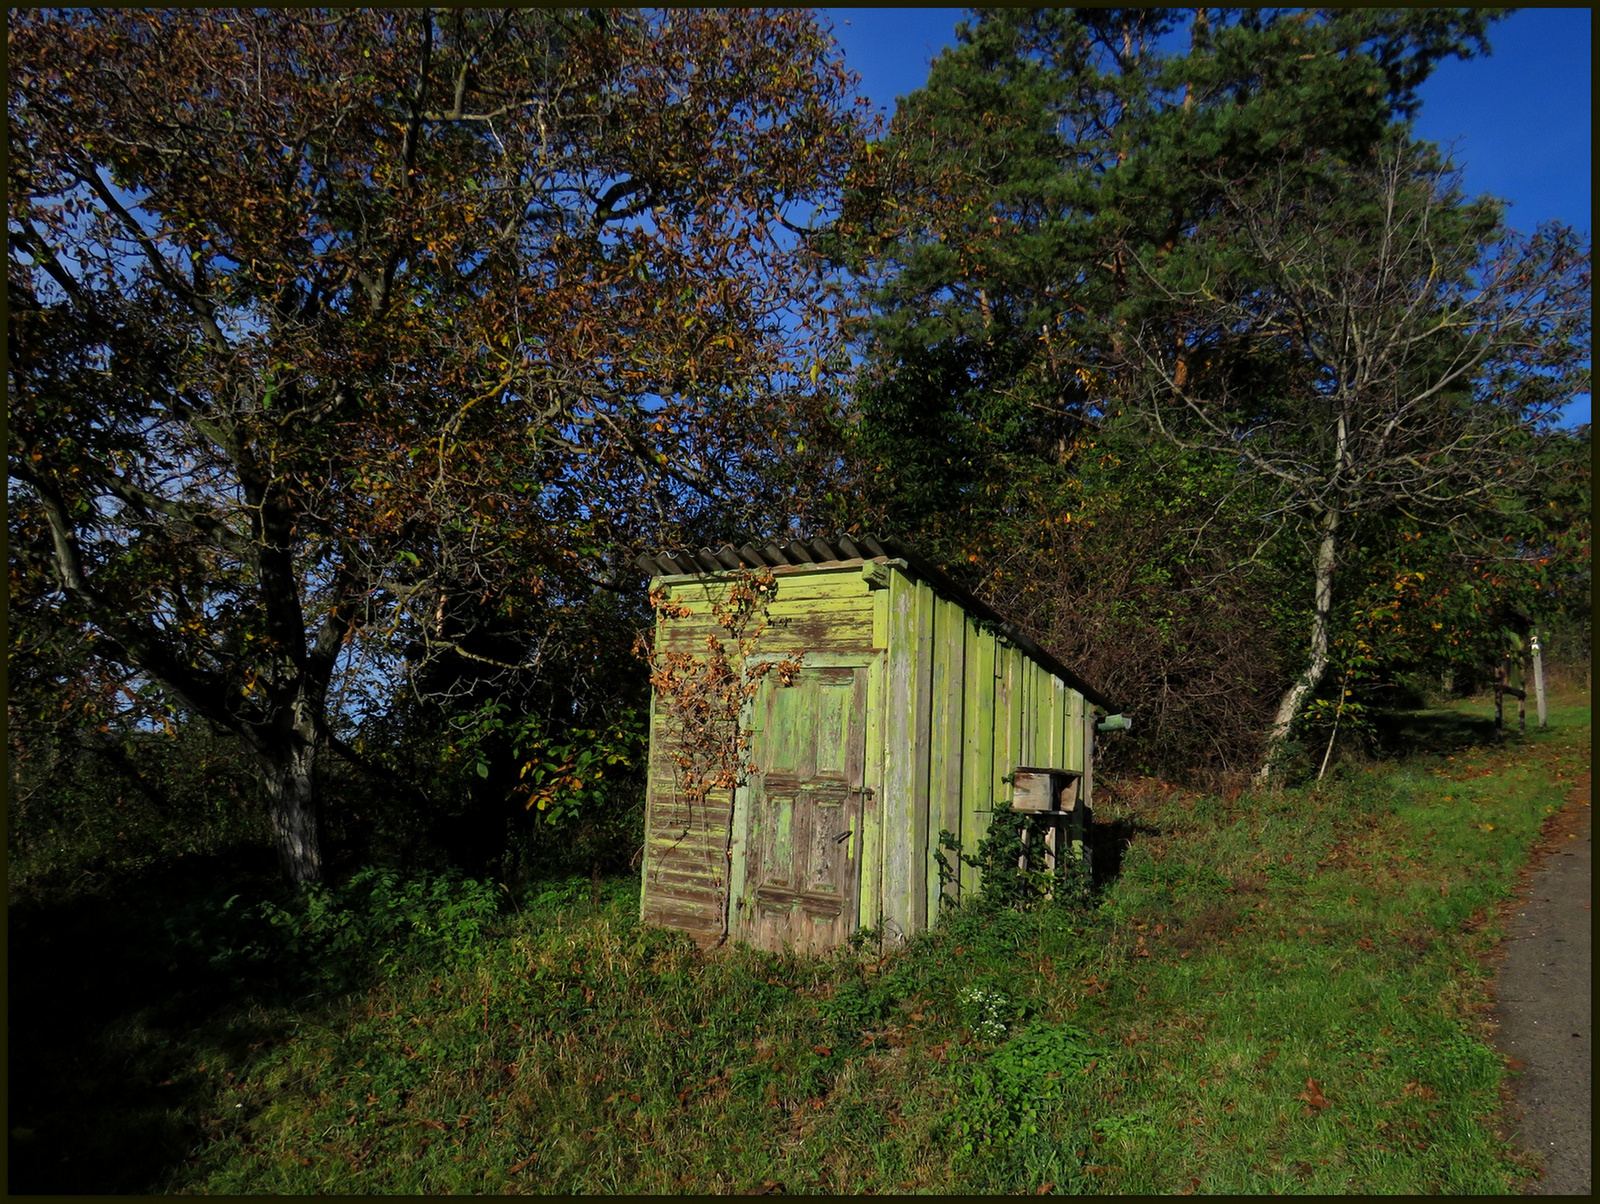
x=904 y=706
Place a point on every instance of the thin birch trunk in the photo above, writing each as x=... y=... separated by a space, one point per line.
x=1289 y=705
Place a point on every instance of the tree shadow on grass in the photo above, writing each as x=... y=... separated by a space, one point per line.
x=1407 y=733
x=104 y=1025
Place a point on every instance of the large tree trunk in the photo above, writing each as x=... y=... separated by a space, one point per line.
x=1321 y=614
x=293 y=796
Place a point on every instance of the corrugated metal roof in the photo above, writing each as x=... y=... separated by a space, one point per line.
x=842 y=549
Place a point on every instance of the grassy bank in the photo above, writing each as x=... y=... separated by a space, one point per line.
x=1279 y=993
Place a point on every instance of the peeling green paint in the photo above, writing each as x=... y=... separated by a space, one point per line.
x=782 y=861
x=907 y=717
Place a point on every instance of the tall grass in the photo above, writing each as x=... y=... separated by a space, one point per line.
x=1281 y=992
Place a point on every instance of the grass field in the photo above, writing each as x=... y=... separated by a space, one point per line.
x=1280 y=992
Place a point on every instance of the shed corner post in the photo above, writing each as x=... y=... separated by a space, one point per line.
x=898 y=807
x=1084 y=820
x=923 y=833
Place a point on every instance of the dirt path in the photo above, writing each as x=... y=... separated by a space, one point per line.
x=1543 y=1001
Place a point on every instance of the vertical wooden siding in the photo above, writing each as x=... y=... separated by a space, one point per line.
x=979 y=695
x=947 y=741
x=992 y=708
x=952 y=710
x=687 y=875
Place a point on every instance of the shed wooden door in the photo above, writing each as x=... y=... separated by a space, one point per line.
x=803 y=868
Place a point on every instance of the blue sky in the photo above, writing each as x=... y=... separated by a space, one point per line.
x=1517 y=120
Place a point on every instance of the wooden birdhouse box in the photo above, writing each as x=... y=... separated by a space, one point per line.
x=823 y=709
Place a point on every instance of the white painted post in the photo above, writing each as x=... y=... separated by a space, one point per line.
x=1538 y=678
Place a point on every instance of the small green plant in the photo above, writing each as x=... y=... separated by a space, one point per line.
x=863 y=939
x=1020 y=1081
x=856 y=1008
x=560 y=774
x=985 y=1012
x=1133 y=1127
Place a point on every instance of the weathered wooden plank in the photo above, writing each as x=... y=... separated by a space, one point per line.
x=855 y=766
x=1055 y=720
x=1067 y=724
x=1030 y=714
x=1000 y=764
x=789 y=629
x=674 y=889
x=922 y=713
x=672 y=847
x=1017 y=665
x=1066 y=732
x=842 y=588
x=847 y=598
x=946 y=745
x=1072 y=731
x=1043 y=690
x=1086 y=784
x=880 y=617
x=686 y=883
x=1037 y=738
x=676 y=840
x=869 y=902
x=702 y=923
x=898 y=804
x=839 y=585
x=805 y=627
x=681 y=857
x=977 y=754
x=670 y=806
x=1019 y=718
x=704 y=905
x=678 y=913
x=1060 y=705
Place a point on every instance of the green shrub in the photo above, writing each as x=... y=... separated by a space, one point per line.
x=333 y=938
x=1008 y=1093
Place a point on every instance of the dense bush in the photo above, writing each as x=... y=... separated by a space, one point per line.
x=323 y=938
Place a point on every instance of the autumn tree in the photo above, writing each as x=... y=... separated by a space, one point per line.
x=1370 y=343
x=377 y=328
x=999 y=230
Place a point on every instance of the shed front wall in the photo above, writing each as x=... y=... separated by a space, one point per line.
x=694 y=854
x=952 y=709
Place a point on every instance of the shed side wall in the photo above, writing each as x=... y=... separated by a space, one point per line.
x=1008 y=711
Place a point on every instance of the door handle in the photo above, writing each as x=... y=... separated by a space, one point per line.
x=843 y=836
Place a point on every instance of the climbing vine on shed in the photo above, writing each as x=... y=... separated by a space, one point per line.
x=706 y=694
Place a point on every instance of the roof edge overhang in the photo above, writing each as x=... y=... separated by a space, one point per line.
x=841 y=551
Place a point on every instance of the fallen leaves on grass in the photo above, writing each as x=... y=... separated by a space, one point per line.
x=1313 y=1096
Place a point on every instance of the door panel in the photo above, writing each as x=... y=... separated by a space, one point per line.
x=803 y=849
